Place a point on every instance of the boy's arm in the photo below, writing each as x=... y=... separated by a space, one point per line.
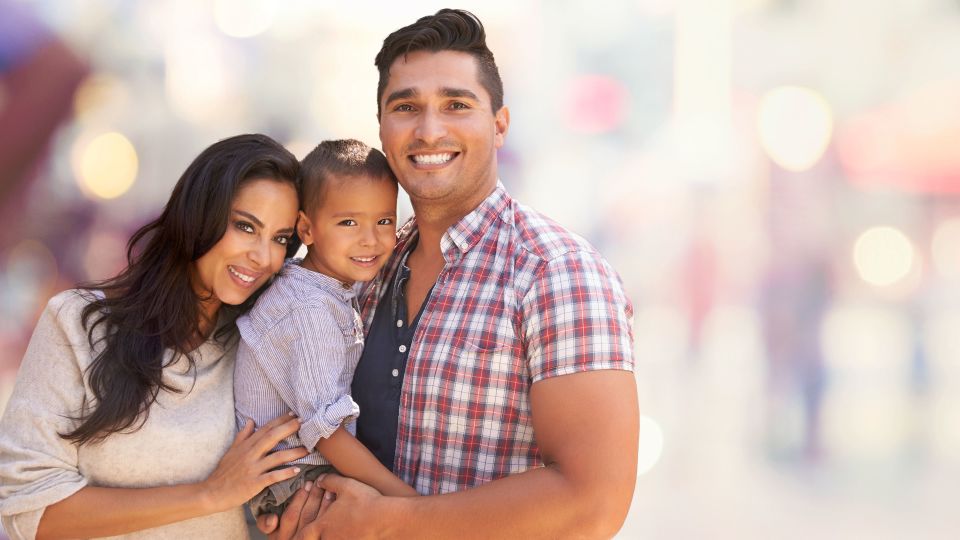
x=351 y=458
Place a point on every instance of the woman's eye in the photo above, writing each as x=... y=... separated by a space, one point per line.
x=283 y=240
x=244 y=226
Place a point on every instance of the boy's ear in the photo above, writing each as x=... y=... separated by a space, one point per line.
x=303 y=228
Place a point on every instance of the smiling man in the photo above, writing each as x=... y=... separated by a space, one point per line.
x=497 y=377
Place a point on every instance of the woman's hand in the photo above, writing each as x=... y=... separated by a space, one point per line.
x=246 y=467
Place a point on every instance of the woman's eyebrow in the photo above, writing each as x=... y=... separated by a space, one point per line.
x=250 y=216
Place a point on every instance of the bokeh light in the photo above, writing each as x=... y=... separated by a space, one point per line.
x=883 y=256
x=795 y=126
x=105 y=166
x=945 y=248
x=243 y=18
x=201 y=79
x=651 y=444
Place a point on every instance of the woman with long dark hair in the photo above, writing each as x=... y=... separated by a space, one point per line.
x=121 y=421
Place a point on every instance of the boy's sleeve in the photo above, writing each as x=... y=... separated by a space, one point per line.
x=306 y=363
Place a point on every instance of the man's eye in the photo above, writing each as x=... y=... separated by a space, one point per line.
x=244 y=226
x=403 y=107
x=459 y=105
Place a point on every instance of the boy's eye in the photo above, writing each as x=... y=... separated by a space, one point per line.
x=347 y=223
x=385 y=221
x=244 y=226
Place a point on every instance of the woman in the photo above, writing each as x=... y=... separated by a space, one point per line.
x=122 y=417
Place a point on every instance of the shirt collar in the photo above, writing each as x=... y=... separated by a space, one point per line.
x=292 y=267
x=465 y=234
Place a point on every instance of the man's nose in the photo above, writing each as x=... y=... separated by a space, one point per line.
x=431 y=126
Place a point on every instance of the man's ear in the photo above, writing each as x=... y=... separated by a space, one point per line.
x=303 y=229
x=501 y=124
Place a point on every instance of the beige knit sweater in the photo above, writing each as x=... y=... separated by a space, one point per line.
x=181 y=442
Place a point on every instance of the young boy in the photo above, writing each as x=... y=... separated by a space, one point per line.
x=302 y=340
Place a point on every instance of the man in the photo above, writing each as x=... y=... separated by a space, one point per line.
x=497 y=374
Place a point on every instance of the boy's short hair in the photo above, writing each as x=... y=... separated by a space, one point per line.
x=343 y=157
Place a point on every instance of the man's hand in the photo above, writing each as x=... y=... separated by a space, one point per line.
x=355 y=511
x=304 y=507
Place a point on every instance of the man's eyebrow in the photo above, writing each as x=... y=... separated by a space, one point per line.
x=250 y=216
x=458 y=93
x=405 y=93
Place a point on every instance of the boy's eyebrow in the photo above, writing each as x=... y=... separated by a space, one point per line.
x=351 y=214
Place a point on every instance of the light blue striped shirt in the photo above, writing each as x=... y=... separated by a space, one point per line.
x=298 y=350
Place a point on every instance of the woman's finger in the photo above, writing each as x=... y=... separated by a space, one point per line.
x=269 y=436
x=244 y=432
x=279 y=475
x=283 y=457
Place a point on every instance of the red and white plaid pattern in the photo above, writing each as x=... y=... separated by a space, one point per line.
x=520 y=300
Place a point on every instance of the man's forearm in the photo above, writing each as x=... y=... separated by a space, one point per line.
x=540 y=503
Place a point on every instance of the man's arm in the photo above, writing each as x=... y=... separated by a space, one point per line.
x=587 y=429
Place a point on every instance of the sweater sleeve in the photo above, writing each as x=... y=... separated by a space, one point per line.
x=37 y=466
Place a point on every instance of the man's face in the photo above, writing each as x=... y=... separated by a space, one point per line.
x=438 y=131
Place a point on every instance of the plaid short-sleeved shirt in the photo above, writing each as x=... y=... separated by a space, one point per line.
x=520 y=300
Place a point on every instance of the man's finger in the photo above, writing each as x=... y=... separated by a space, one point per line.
x=288 y=521
x=312 y=507
x=266 y=523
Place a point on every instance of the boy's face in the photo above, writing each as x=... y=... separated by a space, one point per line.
x=352 y=233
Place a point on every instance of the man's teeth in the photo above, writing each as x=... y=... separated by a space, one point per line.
x=432 y=159
x=243 y=277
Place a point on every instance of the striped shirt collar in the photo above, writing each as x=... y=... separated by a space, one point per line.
x=310 y=278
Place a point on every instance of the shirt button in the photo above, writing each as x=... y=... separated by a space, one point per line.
x=403 y=348
x=395 y=373
x=399 y=323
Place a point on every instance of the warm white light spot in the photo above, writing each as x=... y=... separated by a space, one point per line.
x=946 y=248
x=106 y=166
x=883 y=256
x=795 y=126
x=243 y=18
x=651 y=445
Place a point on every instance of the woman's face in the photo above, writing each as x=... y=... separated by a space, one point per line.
x=261 y=222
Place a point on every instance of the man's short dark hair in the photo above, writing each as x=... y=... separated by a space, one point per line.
x=446 y=30
x=339 y=158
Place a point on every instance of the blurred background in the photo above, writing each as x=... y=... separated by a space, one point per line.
x=777 y=182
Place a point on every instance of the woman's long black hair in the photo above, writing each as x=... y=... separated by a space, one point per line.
x=151 y=305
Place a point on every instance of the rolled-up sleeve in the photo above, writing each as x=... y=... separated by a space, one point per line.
x=37 y=466
x=315 y=375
